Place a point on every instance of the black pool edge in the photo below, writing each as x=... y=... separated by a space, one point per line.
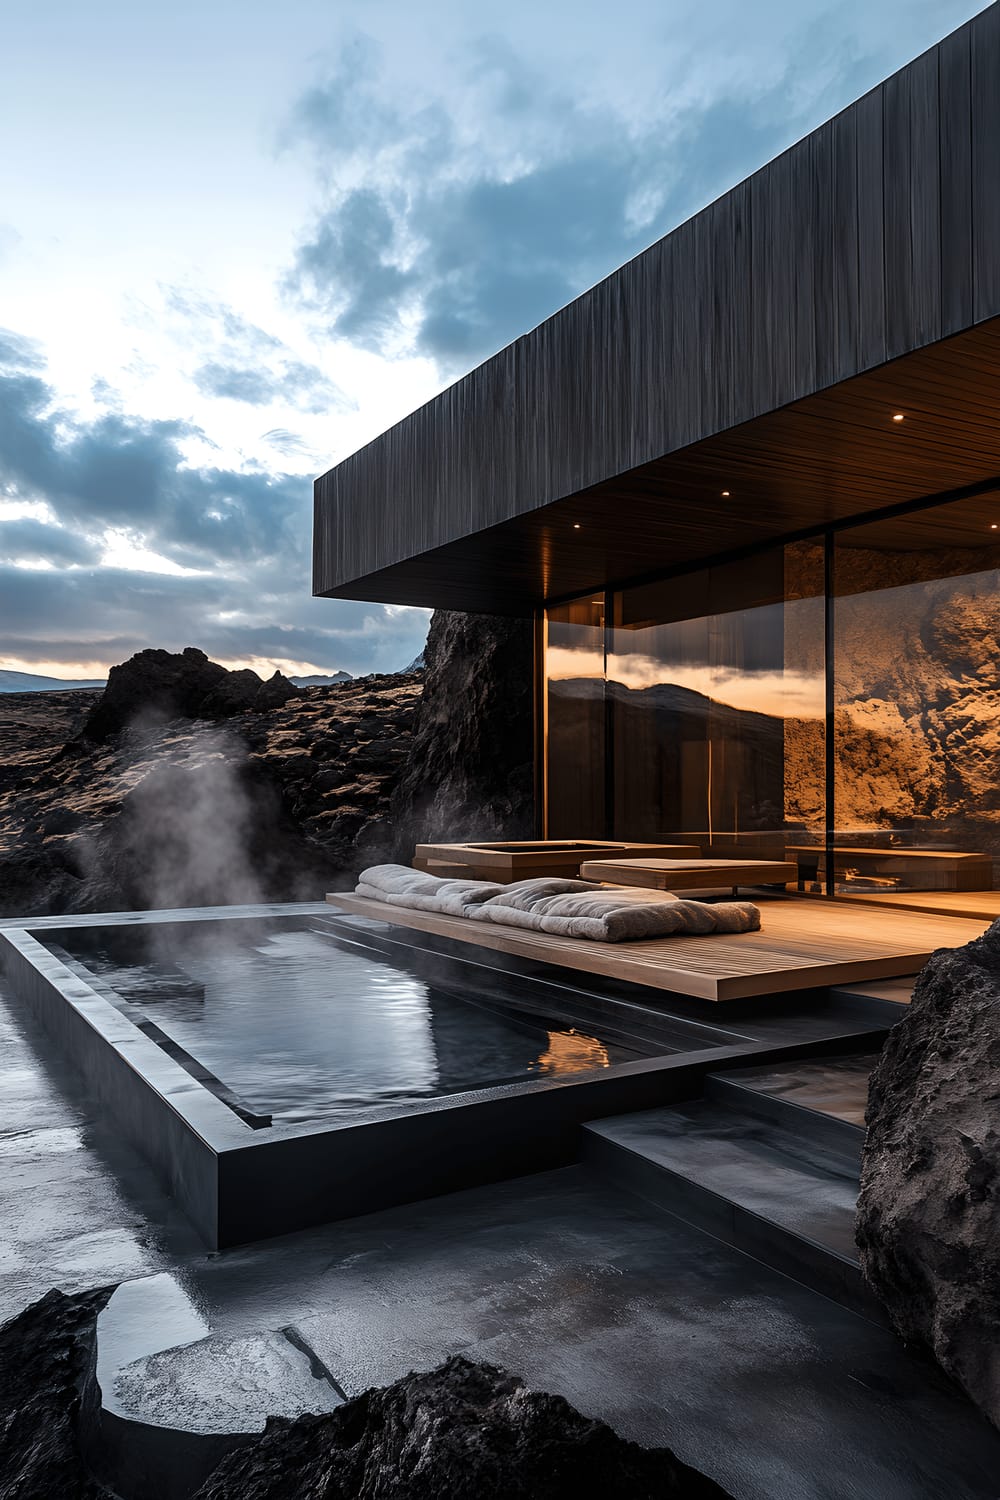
x=239 y=1185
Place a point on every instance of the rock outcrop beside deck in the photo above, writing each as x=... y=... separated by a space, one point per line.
x=470 y=773
x=928 y=1224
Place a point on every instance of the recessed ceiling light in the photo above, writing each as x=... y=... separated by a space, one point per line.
x=576 y=526
x=994 y=526
x=725 y=494
x=898 y=416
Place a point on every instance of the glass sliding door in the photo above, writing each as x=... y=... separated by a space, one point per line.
x=716 y=703
x=575 y=725
x=741 y=709
x=916 y=753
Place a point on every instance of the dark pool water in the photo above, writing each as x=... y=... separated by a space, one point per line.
x=301 y=1026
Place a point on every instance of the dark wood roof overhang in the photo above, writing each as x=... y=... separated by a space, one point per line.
x=761 y=349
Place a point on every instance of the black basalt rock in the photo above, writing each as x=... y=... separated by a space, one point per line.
x=469 y=772
x=154 y=687
x=49 y=1399
x=928 y=1222
x=462 y=1432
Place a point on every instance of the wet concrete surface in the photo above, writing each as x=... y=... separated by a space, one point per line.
x=663 y=1331
x=750 y=1162
x=836 y=1086
x=77 y=1207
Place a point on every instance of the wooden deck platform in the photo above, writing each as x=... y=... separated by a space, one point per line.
x=803 y=944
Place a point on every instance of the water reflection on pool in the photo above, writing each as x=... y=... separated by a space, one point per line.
x=303 y=1027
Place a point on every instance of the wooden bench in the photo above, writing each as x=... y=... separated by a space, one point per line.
x=871 y=868
x=689 y=874
x=531 y=858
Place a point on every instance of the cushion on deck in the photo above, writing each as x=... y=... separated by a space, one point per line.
x=613 y=914
x=400 y=886
x=565 y=908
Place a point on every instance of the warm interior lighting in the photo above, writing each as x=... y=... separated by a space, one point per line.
x=994 y=526
x=898 y=416
x=725 y=494
x=572 y=1052
x=576 y=526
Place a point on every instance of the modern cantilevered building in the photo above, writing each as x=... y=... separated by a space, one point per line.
x=749 y=486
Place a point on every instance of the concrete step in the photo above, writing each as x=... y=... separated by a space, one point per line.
x=820 y=1099
x=761 y=1185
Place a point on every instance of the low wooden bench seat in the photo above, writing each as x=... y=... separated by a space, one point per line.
x=530 y=859
x=689 y=874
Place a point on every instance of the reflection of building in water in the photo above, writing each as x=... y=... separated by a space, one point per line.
x=572 y=1052
x=477 y=1043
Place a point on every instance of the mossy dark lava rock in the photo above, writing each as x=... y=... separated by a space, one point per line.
x=928 y=1224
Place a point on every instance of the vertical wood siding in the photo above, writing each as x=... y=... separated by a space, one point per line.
x=876 y=235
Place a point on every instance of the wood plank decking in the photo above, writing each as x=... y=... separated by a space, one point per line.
x=802 y=944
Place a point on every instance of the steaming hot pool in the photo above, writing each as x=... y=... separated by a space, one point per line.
x=298 y=1024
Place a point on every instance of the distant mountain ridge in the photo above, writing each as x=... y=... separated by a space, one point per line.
x=31 y=682
x=318 y=680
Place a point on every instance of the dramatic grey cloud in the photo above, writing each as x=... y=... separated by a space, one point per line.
x=107 y=613
x=214 y=309
x=292 y=381
x=246 y=363
x=123 y=471
x=244 y=536
x=18 y=352
x=286 y=442
x=29 y=541
x=450 y=236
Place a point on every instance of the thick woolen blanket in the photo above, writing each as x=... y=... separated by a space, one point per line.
x=401 y=886
x=565 y=908
x=614 y=914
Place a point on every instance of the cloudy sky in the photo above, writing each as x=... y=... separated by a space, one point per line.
x=240 y=238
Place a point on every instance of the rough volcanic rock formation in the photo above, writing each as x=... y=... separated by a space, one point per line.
x=49 y=1399
x=154 y=687
x=266 y=805
x=462 y=1432
x=280 y=799
x=470 y=770
x=928 y=1224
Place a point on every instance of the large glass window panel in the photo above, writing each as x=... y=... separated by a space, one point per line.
x=716 y=697
x=575 y=726
x=917 y=702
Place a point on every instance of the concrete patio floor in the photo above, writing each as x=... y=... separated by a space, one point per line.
x=634 y=1316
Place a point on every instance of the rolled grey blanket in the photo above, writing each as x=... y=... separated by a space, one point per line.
x=398 y=885
x=565 y=908
x=614 y=915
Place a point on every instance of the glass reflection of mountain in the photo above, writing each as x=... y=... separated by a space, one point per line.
x=682 y=760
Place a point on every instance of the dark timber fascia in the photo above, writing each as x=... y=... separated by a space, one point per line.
x=875 y=236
